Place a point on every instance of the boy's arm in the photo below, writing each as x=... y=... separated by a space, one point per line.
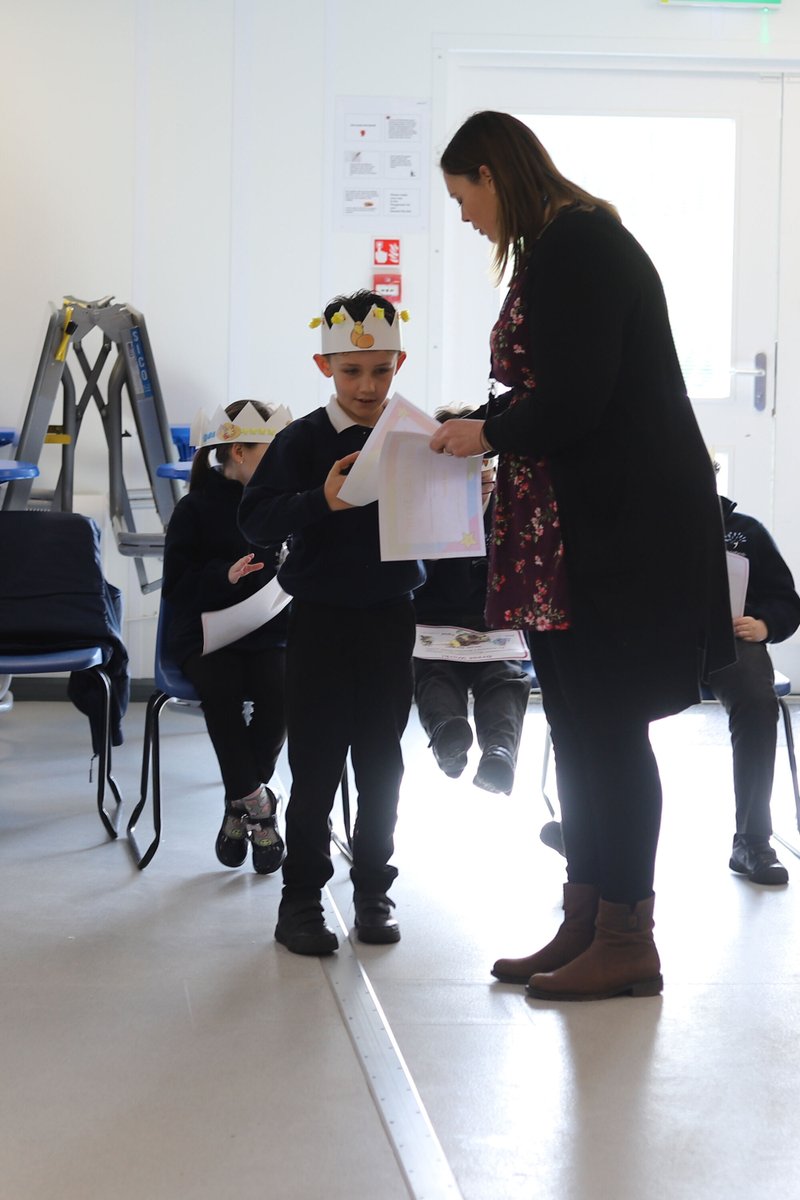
x=282 y=498
x=771 y=595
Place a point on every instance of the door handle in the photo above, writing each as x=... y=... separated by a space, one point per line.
x=759 y=373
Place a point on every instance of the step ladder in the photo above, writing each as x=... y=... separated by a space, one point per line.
x=133 y=371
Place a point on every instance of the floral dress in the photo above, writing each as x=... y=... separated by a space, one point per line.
x=527 y=583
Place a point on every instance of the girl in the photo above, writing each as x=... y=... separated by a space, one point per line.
x=209 y=565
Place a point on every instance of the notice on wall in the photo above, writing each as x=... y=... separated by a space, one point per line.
x=382 y=167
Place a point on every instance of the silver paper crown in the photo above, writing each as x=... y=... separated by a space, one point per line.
x=344 y=335
x=247 y=426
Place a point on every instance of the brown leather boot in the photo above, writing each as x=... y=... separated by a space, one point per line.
x=622 y=959
x=574 y=935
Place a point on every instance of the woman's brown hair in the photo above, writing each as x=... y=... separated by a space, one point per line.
x=529 y=187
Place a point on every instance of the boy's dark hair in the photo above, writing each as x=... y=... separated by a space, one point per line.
x=200 y=464
x=358 y=305
x=453 y=414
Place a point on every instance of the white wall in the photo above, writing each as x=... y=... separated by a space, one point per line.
x=178 y=154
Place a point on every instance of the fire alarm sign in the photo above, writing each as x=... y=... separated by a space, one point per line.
x=386 y=252
x=388 y=285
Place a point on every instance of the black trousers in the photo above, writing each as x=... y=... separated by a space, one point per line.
x=500 y=690
x=348 y=687
x=609 y=787
x=746 y=691
x=247 y=754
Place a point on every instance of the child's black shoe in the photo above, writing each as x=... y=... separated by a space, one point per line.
x=301 y=928
x=261 y=816
x=375 y=922
x=231 y=843
x=450 y=743
x=496 y=770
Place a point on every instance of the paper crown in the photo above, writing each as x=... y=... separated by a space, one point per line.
x=344 y=335
x=247 y=426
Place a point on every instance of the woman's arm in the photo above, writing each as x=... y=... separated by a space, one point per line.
x=580 y=295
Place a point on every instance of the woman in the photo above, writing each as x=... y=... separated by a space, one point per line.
x=607 y=541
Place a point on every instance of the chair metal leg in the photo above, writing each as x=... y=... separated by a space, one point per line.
x=345 y=844
x=151 y=765
x=787 y=725
x=104 y=776
x=548 y=745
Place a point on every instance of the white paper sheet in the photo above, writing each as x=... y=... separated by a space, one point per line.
x=454 y=644
x=226 y=625
x=738 y=575
x=429 y=505
x=362 y=484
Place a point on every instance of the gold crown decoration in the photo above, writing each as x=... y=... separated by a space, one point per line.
x=344 y=335
x=247 y=426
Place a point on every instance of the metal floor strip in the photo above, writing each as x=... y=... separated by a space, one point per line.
x=417 y=1149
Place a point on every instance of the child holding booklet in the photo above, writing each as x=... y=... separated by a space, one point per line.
x=351 y=632
x=209 y=565
x=454 y=593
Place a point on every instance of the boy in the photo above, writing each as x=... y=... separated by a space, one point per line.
x=351 y=634
x=745 y=690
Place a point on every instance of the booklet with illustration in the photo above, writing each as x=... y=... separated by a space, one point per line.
x=455 y=644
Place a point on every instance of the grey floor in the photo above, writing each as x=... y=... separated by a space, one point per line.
x=157 y=1043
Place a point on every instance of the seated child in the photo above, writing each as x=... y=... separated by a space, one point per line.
x=351 y=632
x=454 y=593
x=209 y=565
x=746 y=691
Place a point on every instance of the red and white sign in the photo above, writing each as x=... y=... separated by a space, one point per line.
x=389 y=285
x=386 y=252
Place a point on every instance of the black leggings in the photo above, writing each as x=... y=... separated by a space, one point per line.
x=609 y=788
x=247 y=754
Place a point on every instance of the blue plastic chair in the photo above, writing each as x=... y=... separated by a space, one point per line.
x=171 y=684
x=24 y=603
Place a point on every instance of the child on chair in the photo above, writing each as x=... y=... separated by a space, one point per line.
x=209 y=565
x=351 y=632
x=454 y=593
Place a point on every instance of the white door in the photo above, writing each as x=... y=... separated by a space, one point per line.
x=692 y=162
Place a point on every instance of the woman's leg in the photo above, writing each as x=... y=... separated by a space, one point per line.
x=608 y=782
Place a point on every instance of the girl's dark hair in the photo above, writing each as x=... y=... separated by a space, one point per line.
x=528 y=185
x=358 y=305
x=200 y=464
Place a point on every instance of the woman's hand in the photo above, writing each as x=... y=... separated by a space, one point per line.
x=461 y=438
x=244 y=566
x=335 y=481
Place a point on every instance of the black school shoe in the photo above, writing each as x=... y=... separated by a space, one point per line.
x=759 y=862
x=301 y=928
x=268 y=848
x=496 y=770
x=374 y=922
x=450 y=743
x=232 y=841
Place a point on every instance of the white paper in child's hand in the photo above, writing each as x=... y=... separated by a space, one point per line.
x=399 y=416
x=226 y=625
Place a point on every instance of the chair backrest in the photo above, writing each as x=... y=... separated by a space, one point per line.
x=52 y=590
x=168 y=675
